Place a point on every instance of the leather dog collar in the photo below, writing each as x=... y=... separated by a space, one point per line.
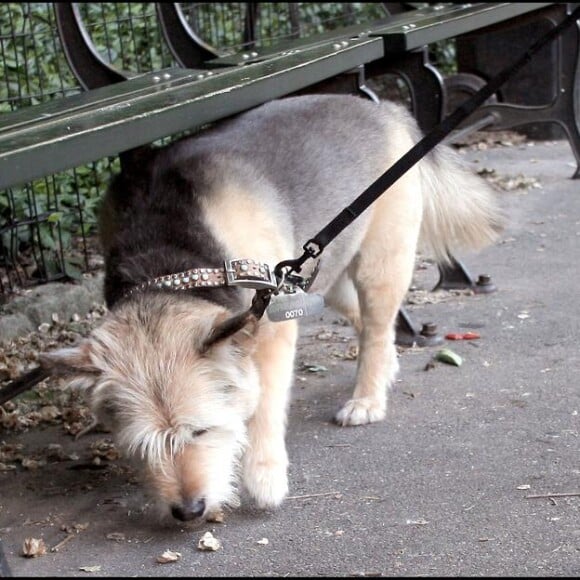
x=245 y=273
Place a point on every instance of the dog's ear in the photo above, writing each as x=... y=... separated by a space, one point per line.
x=240 y=328
x=71 y=362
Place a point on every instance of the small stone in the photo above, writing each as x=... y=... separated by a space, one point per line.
x=168 y=556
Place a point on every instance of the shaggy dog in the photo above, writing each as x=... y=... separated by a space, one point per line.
x=194 y=387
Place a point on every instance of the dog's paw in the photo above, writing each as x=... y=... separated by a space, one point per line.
x=361 y=412
x=266 y=481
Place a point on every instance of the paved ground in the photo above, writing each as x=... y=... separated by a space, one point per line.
x=474 y=473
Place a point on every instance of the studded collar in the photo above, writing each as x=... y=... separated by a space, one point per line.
x=245 y=273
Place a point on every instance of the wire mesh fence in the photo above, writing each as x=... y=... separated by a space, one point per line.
x=34 y=69
x=48 y=226
x=236 y=26
x=126 y=35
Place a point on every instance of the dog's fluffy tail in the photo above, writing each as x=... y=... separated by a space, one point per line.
x=461 y=210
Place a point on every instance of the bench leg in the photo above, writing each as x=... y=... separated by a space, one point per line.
x=456 y=277
x=561 y=109
x=350 y=83
x=363 y=89
x=409 y=334
x=425 y=83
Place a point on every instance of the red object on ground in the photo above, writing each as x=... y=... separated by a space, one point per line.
x=462 y=336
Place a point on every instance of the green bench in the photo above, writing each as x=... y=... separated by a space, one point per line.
x=119 y=112
x=65 y=133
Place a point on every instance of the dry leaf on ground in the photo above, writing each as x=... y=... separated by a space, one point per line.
x=33 y=547
x=90 y=568
x=208 y=543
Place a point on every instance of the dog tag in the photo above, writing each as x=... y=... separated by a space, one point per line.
x=297 y=304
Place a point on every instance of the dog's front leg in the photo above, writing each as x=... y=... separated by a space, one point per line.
x=266 y=460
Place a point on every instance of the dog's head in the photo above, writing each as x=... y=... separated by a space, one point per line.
x=174 y=380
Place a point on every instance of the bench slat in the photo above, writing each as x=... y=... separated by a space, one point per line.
x=101 y=97
x=402 y=32
x=94 y=129
x=112 y=119
x=450 y=22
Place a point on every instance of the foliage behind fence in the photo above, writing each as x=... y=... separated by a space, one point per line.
x=46 y=226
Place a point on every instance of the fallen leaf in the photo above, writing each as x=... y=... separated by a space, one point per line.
x=351 y=352
x=208 y=543
x=32 y=464
x=419 y=522
x=90 y=568
x=510 y=182
x=324 y=335
x=33 y=547
x=314 y=368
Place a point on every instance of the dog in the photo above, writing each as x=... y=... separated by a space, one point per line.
x=194 y=386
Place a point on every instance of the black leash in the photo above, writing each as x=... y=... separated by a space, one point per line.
x=23 y=383
x=314 y=247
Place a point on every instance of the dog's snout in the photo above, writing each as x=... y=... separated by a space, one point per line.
x=188 y=510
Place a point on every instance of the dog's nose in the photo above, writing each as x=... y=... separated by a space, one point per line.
x=188 y=510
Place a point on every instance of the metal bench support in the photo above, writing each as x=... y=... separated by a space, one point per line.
x=562 y=108
x=424 y=81
x=85 y=62
x=189 y=50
